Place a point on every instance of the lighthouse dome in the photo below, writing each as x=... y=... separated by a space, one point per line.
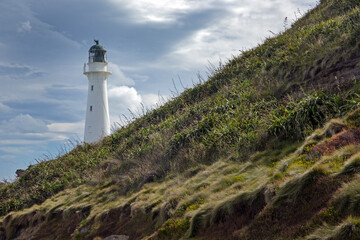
x=97 y=53
x=97 y=46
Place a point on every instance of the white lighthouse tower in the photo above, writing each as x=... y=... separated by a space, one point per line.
x=97 y=123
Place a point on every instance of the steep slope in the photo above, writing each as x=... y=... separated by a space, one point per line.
x=266 y=148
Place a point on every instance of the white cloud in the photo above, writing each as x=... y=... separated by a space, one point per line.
x=171 y=11
x=24 y=27
x=4 y=108
x=23 y=123
x=19 y=17
x=7 y=157
x=151 y=100
x=22 y=82
x=48 y=136
x=123 y=98
x=142 y=78
x=15 y=150
x=159 y=11
x=75 y=127
x=118 y=77
x=25 y=129
x=18 y=140
x=242 y=26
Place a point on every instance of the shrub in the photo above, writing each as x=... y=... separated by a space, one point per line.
x=174 y=228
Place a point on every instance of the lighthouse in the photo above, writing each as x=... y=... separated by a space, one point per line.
x=97 y=122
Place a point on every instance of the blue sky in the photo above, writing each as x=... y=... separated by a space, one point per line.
x=44 y=44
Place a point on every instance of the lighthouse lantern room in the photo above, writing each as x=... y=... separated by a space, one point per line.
x=97 y=122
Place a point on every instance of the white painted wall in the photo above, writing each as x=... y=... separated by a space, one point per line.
x=97 y=122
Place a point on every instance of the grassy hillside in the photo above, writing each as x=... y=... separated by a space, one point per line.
x=266 y=148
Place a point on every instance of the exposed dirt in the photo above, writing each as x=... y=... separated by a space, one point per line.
x=38 y=225
x=344 y=138
x=122 y=221
x=226 y=224
x=286 y=221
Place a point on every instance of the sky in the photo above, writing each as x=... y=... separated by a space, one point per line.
x=156 y=48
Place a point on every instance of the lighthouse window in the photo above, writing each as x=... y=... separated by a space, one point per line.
x=92 y=87
x=90 y=108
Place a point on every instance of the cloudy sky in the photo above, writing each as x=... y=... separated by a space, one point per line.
x=150 y=43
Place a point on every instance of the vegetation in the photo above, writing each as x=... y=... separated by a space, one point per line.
x=266 y=148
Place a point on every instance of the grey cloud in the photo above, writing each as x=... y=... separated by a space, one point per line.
x=18 y=70
x=25 y=27
x=66 y=93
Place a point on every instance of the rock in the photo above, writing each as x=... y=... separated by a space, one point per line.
x=149 y=178
x=117 y=237
x=20 y=172
x=334 y=127
x=84 y=230
x=269 y=194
